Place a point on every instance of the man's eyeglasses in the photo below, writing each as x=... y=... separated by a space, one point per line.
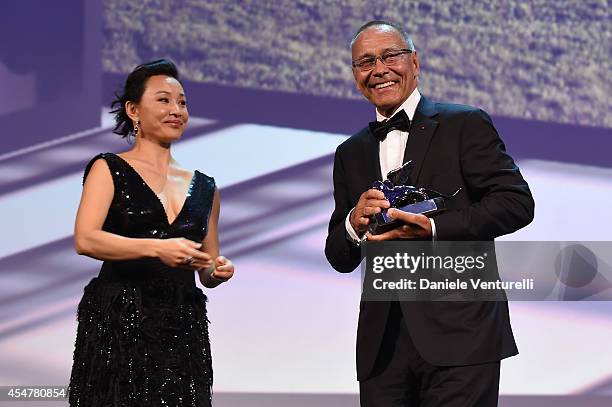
x=388 y=58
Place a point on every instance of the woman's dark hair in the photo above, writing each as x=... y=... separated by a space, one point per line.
x=134 y=88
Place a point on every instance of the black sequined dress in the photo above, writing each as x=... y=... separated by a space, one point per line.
x=142 y=337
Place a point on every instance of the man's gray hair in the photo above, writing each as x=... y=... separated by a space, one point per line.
x=377 y=23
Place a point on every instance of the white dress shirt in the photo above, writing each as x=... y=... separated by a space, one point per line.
x=391 y=153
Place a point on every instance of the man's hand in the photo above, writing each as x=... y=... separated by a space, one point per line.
x=370 y=203
x=415 y=227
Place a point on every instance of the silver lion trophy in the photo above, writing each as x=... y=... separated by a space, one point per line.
x=406 y=198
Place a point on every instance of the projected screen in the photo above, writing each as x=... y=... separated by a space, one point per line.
x=541 y=60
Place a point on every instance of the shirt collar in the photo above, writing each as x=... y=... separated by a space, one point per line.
x=409 y=106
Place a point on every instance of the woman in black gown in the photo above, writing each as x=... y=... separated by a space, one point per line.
x=142 y=338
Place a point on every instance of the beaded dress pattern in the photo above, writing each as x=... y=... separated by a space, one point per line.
x=142 y=337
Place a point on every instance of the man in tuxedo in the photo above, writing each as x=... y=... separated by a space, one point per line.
x=424 y=353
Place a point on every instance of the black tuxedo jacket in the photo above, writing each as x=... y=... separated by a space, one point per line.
x=451 y=146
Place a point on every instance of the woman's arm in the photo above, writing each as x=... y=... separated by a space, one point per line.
x=222 y=268
x=90 y=240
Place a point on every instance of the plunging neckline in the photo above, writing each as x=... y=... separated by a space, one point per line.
x=161 y=204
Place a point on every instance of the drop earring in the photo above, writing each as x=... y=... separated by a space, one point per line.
x=136 y=128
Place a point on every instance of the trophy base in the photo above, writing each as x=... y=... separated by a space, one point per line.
x=381 y=222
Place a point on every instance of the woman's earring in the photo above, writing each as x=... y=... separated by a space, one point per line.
x=136 y=128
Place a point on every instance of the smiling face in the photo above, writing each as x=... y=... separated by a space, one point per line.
x=386 y=87
x=162 y=110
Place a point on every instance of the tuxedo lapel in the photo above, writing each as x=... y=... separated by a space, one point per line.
x=422 y=130
x=372 y=157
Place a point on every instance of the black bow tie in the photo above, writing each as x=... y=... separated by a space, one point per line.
x=399 y=121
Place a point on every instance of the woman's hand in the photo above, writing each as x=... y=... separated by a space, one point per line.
x=184 y=253
x=224 y=269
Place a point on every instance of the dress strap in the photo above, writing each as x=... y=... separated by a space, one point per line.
x=111 y=161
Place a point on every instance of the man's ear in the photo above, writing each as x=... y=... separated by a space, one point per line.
x=416 y=64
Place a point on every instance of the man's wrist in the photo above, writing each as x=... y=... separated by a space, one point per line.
x=352 y=221
x=433 y=229
x=351 y=234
